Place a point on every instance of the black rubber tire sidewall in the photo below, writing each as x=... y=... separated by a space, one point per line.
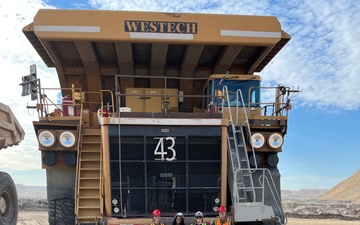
x=61 y=211
x=6 y=182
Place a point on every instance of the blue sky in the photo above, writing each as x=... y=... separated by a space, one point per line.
x=322 y=147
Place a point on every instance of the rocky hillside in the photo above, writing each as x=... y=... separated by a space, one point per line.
x=303 y=194
x=348 y=190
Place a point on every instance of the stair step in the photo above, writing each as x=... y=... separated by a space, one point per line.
x=91 y=142
x=90 y=160
x=91 y=130
x=96 y=169
x=89 y=178
x=89 y=197
x=89 y=188
x=89 y=164
x=89 y=218
x=89 y=213
x=90 y=155
x=90 y=149
x=88 y=193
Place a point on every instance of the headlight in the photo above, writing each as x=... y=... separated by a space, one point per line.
x=46 y=138
x=257 y=140
x=67 y=139
x=215 y=208
x=275 y=140
x=114 y=201
x=217 y=200
x=116 y=210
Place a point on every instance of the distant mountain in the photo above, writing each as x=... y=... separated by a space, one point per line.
x=303 y=194
x=348 y=190
x=37 y=192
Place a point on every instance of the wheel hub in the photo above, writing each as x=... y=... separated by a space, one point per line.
x=5 y=205
x=2 y=205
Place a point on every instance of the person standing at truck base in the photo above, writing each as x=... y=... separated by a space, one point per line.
x=199 y=219
x=156 y=217
x=179 y=219
x=222 y=219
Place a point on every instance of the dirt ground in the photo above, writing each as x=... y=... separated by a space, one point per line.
x=33 y=218
x=296 y=221
x=41 y=218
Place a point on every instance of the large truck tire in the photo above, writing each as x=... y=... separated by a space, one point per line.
x=8 y=200
x=61 y=211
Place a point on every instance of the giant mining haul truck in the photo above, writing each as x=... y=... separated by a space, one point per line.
x=11 y=133
x=159 y=111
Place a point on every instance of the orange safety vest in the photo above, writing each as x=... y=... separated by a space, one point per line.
x=227 y=221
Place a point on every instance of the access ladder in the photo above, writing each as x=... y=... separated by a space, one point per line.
x=89 y=204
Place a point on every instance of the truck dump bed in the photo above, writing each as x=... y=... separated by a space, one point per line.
x=11 y=133
x=89 y=47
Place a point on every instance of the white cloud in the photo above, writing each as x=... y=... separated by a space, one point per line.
x=322 y=55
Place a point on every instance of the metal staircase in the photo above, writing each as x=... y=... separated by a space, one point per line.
x=247 y=196
x=241 y=170
x=89 y=201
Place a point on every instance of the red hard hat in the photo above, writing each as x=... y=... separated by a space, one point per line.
x=222 y=209
x=156 y=212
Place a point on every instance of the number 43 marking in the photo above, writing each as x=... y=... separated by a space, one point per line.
x=159 y=150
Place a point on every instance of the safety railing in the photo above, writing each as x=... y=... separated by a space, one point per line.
x=266 y=176
x=238 y=170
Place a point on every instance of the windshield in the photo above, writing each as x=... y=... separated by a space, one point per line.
x=233 y=86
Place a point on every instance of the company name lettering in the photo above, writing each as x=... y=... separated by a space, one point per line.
x=160 y=27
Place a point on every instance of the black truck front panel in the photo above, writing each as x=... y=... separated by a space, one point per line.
x=172 y=168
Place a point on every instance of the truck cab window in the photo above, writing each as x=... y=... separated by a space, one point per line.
x=216 y=88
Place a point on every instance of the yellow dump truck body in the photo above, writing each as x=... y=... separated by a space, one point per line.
x=11 y=133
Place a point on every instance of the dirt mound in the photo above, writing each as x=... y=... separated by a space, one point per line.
x=347 y=191
x=322 y=210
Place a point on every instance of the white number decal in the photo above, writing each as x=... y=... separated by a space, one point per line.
x=159 y=150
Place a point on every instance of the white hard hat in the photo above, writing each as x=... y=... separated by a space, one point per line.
x=198 y=214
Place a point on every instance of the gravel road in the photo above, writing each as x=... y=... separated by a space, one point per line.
x=41 y=218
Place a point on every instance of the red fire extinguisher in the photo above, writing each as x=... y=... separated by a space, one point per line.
x=68 y=108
